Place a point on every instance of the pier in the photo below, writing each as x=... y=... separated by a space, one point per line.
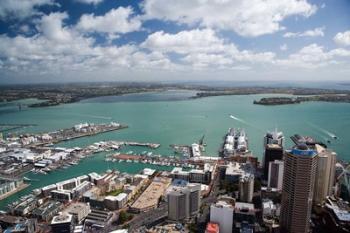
x=160 y=160
x=78 y=131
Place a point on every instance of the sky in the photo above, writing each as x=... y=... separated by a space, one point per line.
x=174 y=40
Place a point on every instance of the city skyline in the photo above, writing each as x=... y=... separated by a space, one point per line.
x=156 y=40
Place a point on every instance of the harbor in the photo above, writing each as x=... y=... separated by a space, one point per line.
x=95 y=159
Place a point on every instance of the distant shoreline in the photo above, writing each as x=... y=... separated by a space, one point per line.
x=52 y=95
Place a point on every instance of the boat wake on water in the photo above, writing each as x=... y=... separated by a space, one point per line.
x=237 y=119
x=326 y=132
x=244 y=122
x=94 y=116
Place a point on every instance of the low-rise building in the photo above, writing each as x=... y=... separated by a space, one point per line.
x=336 y=215
x=47 y=211
x=98 y=217
x=222 y=214
x=148 y=172
x=61 y=195
x=79 y=211
x=78 y=191
x=150 y=197
x=116 y=202
x=233 y=172
x=62 y=223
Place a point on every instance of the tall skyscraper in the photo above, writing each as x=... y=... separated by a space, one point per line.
x=178 y=207
x=194 y=198
x=325 y=173
x=246 y=188
x=274 y=137
x=298 y=187
x=272 y=152
x=273 y=149
x=275 y=177
x=183 y=202
x=344 y=184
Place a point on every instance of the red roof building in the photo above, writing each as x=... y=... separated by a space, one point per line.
x=212 y=228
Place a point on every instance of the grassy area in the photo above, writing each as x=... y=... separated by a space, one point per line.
x=114 y=192
x=124 y=217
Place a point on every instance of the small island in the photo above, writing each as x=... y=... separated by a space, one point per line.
x=277 y=101
x=335 y=98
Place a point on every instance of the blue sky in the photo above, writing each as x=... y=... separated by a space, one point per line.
x=174 y=40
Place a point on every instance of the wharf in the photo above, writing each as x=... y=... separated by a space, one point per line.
x=21 y=187
x=150 y=145
x=70 y=134
x=160 y=160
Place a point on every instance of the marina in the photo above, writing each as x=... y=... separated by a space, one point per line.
x=74 y=155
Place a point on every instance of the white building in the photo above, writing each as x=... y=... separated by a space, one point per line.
x=270 y=209
x=233 y=172
x=148 y=171
x=196 y=152
x=222 y=214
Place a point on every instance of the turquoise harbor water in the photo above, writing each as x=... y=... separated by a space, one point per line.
x=170 y=118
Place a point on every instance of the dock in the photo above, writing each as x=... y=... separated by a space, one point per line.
x=78 y=131
x=160 y=160
x=21 y=187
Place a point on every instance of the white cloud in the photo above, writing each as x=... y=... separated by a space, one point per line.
x=284 y=47
x=203 y=48
x=309 y=33
x=342 y=38
x=119 y=20
x=21 y=8
x=51 y=27
x=94 y=2
x=314 y=56
x=197 y=40
x=247 y=18
x=59 y=49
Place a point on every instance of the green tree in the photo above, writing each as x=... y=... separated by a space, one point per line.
x=124 y=217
